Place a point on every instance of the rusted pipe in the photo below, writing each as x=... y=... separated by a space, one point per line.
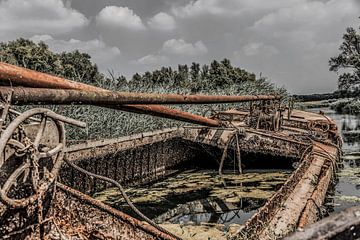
x=22 y=95
x=17 y=76
x=118 y=214
x=160 y=111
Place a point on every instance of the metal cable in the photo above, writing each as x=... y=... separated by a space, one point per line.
x=127 y=199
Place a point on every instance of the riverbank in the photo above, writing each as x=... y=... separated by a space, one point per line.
x=340 y=106
x=340 y=101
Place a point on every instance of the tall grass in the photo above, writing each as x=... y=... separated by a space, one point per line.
x=109 y=123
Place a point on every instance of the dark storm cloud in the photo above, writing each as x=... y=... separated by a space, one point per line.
x=289 y=41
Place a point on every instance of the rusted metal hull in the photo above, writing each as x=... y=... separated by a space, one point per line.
x=152 y=156
x=146 y=157
x=50 y=204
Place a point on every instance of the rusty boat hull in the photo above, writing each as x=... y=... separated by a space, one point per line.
x=46 y=183
x=152 y=156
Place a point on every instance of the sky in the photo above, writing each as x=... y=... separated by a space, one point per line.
x=287 y=41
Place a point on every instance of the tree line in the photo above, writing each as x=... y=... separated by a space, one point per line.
x=78 y=66
x=219 y=77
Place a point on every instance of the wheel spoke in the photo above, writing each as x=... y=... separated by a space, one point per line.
x=40 y=131
x=51 y=152
x=12 y=180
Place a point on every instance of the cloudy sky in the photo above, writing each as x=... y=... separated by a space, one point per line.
x=288 y=41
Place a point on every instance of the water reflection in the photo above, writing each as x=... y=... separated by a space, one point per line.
x=195 y=198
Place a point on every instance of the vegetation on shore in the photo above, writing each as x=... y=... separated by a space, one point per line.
x=216 y=78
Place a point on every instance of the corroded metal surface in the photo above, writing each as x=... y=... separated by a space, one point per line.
x=148 y=156
x=297 y=202
x=13 y=75
x=21 y=96
x=307 y=140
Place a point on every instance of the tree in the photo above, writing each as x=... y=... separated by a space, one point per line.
x=121 y=82
x=218 y=75
x=183 y=75
x=78 y=66
x=25 y=53
x=72 y=65
x=348 y=61
x=194 y=83
x=194 y=71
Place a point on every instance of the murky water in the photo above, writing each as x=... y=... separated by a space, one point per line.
x=347 y=189
x=202 y=197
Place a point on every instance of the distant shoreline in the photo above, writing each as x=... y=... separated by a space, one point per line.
x=342 y=103
x=324 y=96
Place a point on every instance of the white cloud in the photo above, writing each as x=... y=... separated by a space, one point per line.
x=151 y=60
x=21 y=17
x=122 y=17
x=256 y=48
x=162 y=21
x=41 y=38
x=309 y=17
x=228 y=8
x=177 y=47
x=180 y=47
x=96 y=48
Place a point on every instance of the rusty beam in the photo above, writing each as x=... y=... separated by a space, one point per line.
x=22 y=95
x=85 y=199
x=49 y=96
x=17 y=76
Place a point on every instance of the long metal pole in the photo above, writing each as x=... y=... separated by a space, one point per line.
x=13 y=75
x=22 y=95
x=17 y=76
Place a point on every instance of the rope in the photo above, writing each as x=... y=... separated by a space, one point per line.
x=127 y=199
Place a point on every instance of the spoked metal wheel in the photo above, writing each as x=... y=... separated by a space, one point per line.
x=30 y=161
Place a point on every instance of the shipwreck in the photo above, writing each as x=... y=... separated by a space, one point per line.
x=47 y=185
